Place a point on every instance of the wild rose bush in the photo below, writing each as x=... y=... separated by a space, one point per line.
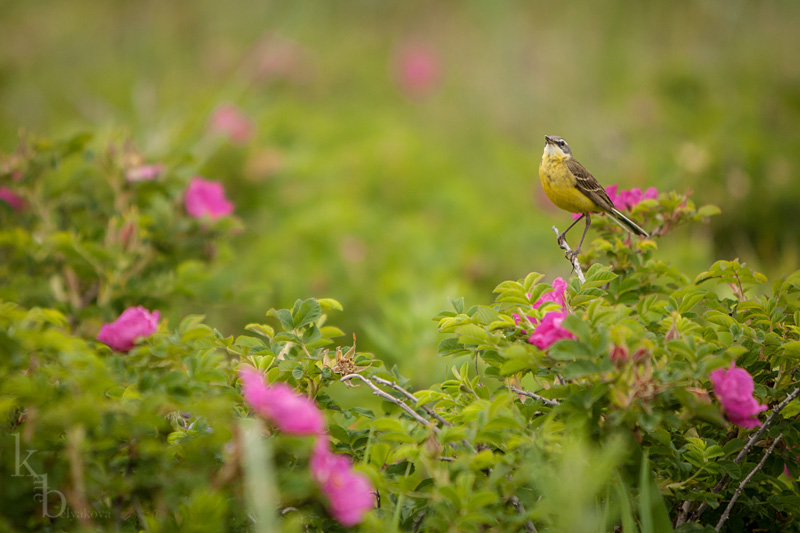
x=97 y=229
x=638 y=399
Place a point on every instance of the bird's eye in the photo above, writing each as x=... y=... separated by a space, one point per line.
x=562 y=143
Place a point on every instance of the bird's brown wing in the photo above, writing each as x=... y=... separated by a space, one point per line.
x=587 y=184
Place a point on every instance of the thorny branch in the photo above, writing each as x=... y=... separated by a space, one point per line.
x=744 y=482
x=411 y=397
x=529 y=527
x=695 y=516
x=546 y=401
x=388 y=397
x=757 y=435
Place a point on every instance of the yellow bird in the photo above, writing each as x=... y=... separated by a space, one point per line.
x=572 y=188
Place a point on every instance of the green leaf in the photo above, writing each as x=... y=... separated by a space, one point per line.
x=329 y=304
x=471 y=334
x=457 y=303
x=791 y=350
x=485 y=315
x=285 y=317
x=596 y=276
x=378 y=454
x=708 y=210
x=577 y=326
x=733 y=446
x=530 y=280
x=331 y=331
x=481 y=499
x=249 y=342
x=567 y=349
x=307 y=312
x=579 y=369
x=388 y=424
x=261 y=329
x=311 y=334
x=512 y=366
x=190 y=322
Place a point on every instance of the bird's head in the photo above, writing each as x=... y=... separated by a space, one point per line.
x=556 y=147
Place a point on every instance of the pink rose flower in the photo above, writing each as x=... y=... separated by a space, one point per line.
x=289 y=411
x=207 y=198
x=550 y=330
x=229 y=121
x=556 y=295
x=11 y=198
x=144 y=172
x=278 y=58
x=631 y=198
x=134 y=323
x=417 y=70
x=626 y=200
x=350 y=493
x=734 y=388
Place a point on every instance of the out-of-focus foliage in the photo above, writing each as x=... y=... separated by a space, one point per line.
x=384 y=154
x=392 y=198
x=614 y=426
x=90 y=242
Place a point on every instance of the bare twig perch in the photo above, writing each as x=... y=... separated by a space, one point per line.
x=745 y=481
x=389 y=398
x=411 y=397
x=752 y=440
x=683 y=515
x=546 y=401
x=576 y=265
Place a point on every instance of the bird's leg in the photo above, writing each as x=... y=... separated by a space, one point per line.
x=563 y=234
x=574 y=253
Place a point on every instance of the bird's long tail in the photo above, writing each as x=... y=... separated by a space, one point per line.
x=627 y=223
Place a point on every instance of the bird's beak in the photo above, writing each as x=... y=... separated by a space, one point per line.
x=548 y=139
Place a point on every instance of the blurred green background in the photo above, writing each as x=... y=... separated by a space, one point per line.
x=394 y=160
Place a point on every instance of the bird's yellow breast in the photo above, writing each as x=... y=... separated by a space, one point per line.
x=559 y=185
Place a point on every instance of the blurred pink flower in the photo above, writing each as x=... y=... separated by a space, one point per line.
x=207 y=198
x=629 y=199
x=350 y=493
x=734 y=388
x=276 y=57
x=417 y=70
x=626 y=199
x=228 y=120
x=11 y=198
x=144 y=172
x=134 y=323
x=611 y=190
x=289 y=411
x=556 y=295
x=550 y=330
